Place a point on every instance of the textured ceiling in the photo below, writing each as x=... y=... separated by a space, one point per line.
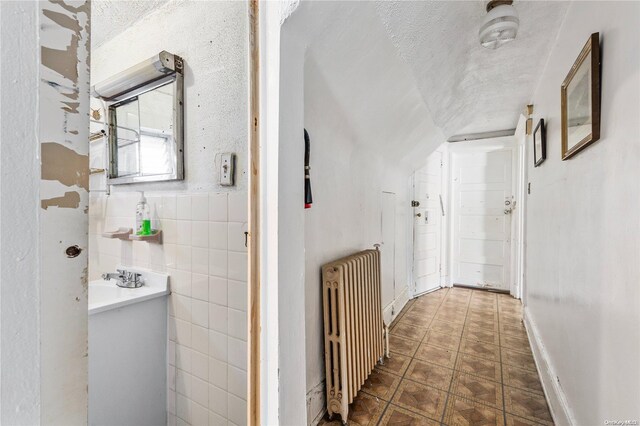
x=401 y=68
x=466 y=87
x=110 y=17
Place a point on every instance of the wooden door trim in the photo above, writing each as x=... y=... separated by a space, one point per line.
x=253 y=376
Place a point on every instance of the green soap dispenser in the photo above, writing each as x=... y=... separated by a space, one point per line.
x=143 y=217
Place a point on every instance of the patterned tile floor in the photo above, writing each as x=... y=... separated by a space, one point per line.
x=458 y=357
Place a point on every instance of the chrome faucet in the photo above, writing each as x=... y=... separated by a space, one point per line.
x=125 y=278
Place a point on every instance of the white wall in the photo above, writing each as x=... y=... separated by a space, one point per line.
x=203 y=249
x=582 y=290
x=347 y=178
x=19 y=304
x=44 y=160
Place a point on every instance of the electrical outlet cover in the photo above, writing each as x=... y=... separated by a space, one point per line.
x=227 y=169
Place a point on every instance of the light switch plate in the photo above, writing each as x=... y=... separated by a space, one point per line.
x=227 y=169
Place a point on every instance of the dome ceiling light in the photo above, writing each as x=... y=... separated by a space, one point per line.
x=500 y=25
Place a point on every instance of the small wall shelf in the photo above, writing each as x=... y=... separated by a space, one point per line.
x=155 y=237
x=120 y=233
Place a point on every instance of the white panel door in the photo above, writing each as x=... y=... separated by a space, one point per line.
x=427 y=225
x=482 y=204
x=388 y=247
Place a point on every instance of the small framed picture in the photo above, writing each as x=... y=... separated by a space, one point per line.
x=539 y=144
x=580 y=99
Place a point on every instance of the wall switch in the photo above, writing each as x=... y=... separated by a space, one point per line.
x=227 y=169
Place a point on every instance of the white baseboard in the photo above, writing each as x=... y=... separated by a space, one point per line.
x=556 y=398
x=316 y=406
x=393 y=309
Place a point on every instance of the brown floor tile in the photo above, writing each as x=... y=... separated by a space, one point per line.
x=512 y=321
x=483 y=326
x=483 y=312
x=513 y=330
x=519 y=421
x=429 y=374
x=480 y=349
x=365 y=410
x=513 y=342
x=397 y=416
x=445 y=316
x=479 y=367
x=529 y=405
x=411 y=327
x=446 y=327
x=397 y=364
x=482 y=335
x=432 y=302
x=487 y=328
x=462 y=412
x=518 y=359
x=507 y=313
x=405 y=329
x=483 y=304
x=522 y=379
x=403 y=345
x=381 y=384
x=436 y=355
x=428 y=401
x=443 y=340
x=478 y=389
x=424 y=310
x=418 y=319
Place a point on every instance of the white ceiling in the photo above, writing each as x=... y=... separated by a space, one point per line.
x=110 y=17
x=435 y=57
x=469 y=88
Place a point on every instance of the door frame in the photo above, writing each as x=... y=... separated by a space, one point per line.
x=444 y=225
x=508 y=143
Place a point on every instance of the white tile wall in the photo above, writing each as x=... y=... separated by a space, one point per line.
x=204 y=253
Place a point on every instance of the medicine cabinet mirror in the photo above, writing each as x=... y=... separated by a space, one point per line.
x=145 y=119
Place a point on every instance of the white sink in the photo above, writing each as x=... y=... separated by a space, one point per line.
x=106 y=295
x=128 y=351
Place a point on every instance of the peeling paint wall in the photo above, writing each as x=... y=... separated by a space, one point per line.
x=44 y=157
x=64 y=184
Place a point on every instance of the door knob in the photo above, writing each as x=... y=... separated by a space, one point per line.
x=418 y=214
x=507 y=211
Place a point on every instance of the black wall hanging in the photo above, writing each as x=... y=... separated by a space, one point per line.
x=308 y=199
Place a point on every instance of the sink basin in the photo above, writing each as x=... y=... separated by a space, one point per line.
x=106 y=295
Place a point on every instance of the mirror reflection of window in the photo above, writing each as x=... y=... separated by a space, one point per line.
x=128 y=123
x=145 y=133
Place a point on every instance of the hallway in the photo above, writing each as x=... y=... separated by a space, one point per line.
x=458 y=357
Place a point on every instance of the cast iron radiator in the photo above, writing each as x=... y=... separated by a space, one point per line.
x=353 y=326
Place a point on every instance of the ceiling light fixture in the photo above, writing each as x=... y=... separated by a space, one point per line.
x=500 y=25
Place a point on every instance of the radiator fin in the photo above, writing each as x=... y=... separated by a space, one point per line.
x=353 y=326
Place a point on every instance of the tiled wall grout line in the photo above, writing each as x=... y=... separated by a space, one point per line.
x=203 y=252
